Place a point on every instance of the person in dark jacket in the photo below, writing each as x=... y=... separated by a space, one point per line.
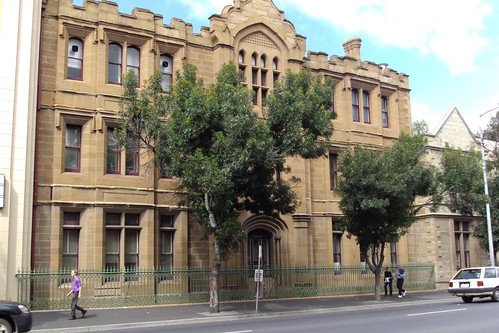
x=388 y=281
x=400 y=276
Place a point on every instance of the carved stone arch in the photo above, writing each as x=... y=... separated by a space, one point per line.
x=260 y=34
x=278 y=241
x=273 y=225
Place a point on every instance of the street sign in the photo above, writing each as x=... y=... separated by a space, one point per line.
x=258 y=275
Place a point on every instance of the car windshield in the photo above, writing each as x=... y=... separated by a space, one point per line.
x=468 y=274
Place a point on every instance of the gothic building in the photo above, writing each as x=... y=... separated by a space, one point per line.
x=98 y=206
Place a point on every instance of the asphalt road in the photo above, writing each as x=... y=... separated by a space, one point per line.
x=451 y=316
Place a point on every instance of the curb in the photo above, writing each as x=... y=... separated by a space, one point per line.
x=233 y=316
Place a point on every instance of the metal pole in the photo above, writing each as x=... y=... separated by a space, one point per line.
x=487 y=207
x=258 y=282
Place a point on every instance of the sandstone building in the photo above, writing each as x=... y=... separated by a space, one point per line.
x=98 y=206
x=442 y=237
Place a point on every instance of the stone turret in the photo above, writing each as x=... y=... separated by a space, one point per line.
x=352 y=47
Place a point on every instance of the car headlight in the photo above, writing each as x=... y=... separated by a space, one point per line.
x=23 y=308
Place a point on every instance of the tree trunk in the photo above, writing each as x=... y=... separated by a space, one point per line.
x=215 y=270
x=375 y=264
x=377 y=283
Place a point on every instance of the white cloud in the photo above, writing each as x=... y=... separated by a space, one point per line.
x=447 y=28
x=421 y=111
x=203 y=8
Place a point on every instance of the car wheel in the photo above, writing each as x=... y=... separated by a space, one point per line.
x=467 y=299
x=495 y=295
x=5 y=326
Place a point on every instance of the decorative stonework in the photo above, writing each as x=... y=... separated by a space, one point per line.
x=259 y=39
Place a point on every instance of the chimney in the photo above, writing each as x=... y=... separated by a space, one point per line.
x=352 y=48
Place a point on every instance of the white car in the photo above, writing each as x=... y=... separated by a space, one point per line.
x=481 y=282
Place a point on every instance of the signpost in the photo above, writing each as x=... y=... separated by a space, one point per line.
x=258 y=276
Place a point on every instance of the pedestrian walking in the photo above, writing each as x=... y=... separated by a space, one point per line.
x=76 y=294
x=400 y=276
x=388 y=281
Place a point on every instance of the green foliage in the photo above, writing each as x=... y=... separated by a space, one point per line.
x=462 y=185
x=420 y=127
x=299 y=114
x=378 y=189
x=226 y=157
x=461 y=181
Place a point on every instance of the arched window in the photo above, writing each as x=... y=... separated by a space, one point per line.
x=275 y=62
x=133 y=61
x=166 y=69
x=263 y=61
x=257 y=238
x=114 y=64
x=275 y=75
x=241 y=57
x=75 y=59
x=253 y=59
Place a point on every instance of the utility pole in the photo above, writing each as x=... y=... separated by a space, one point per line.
x=487 y=205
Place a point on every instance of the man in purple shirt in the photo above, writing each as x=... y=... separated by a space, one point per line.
x=76 y=292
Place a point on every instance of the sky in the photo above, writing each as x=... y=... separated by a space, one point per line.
x=449 y=48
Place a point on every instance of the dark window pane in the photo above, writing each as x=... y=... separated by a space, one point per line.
x=73 y=136
x=71 y=218
x=132 y=219
x=114 y=73
x=166 y=221
x=113 y=219
x=71 y=160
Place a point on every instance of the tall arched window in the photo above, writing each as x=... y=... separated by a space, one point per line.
x=253 y=59
x=166 y=69
x=241 y=57
x=114 y=64
x=257 y=238
x=133 y=61
x=75 y=59
x=275 y=74
x=274 y=63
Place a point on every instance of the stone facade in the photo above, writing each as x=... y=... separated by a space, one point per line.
x=442 y=237
x=77 y=205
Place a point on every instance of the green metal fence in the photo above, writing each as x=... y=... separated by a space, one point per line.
x=47 y=289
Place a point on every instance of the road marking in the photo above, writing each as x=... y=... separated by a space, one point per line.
x=240 y=331
x=434 y=312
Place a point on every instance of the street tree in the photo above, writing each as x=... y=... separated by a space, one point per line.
x=227 y=157
x=378 y=189
x=462 y=186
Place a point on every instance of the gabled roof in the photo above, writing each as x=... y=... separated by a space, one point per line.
x=453 y=129
x=453 y=111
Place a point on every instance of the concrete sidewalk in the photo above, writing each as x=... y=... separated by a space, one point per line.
x=165 y=315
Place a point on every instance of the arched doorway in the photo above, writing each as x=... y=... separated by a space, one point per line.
x=257 y=238
x=272 y=234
